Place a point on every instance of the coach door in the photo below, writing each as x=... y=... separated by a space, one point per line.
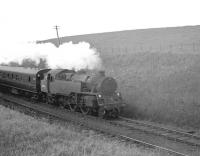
x=48 y=83
x=38 y=83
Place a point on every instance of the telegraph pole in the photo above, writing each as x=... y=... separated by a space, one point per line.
x=57 y=27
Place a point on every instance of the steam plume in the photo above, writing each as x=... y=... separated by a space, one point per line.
x=68 y=55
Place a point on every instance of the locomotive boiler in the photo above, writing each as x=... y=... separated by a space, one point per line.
x=89 y=92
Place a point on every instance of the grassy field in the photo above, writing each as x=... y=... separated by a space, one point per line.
x=162 y=87
x=158 y=71
x=22 y=135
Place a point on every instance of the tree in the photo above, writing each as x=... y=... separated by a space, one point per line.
x=13 y=64
x=27 y=62
x=42 y=64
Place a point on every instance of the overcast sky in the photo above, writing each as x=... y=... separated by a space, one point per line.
x=26 y=20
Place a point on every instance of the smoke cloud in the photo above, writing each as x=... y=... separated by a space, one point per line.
x=68 y=55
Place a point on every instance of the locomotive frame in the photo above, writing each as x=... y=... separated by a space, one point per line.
x=56 y=86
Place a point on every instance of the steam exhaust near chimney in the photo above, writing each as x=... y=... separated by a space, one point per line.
x=68 y=55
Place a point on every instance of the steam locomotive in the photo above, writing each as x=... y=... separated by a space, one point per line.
x=89 y=92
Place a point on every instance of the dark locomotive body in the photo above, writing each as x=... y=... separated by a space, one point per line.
x=84 y=91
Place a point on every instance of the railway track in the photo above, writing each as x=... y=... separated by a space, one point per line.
x=110 y=128
x=172 y=134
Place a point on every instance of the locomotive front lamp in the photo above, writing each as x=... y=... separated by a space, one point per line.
x=118 y=94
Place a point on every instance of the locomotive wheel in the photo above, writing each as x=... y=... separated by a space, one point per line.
x=114 y=113
x=65 y=103
x=84 y=109
x=73 y=103
x=49 y=100
x=34 y=98
x=72 y=107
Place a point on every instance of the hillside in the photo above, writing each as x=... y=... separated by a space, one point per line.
x=139 y=40
x=158 y=71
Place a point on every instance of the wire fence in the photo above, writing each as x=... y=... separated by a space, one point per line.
x=193 y=47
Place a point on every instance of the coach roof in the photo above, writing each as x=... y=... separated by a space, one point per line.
x=21 y=70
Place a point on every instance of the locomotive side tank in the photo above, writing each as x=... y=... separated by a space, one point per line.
x=55 y=82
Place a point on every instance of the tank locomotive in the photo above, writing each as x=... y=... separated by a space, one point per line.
x=89 y=92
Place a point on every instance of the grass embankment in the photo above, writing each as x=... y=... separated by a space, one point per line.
x=162 y=87
x=23 y=135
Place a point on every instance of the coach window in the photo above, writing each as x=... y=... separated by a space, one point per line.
x=29 y=79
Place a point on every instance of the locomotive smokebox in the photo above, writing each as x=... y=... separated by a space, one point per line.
x=107 y=86
x=98 y=82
